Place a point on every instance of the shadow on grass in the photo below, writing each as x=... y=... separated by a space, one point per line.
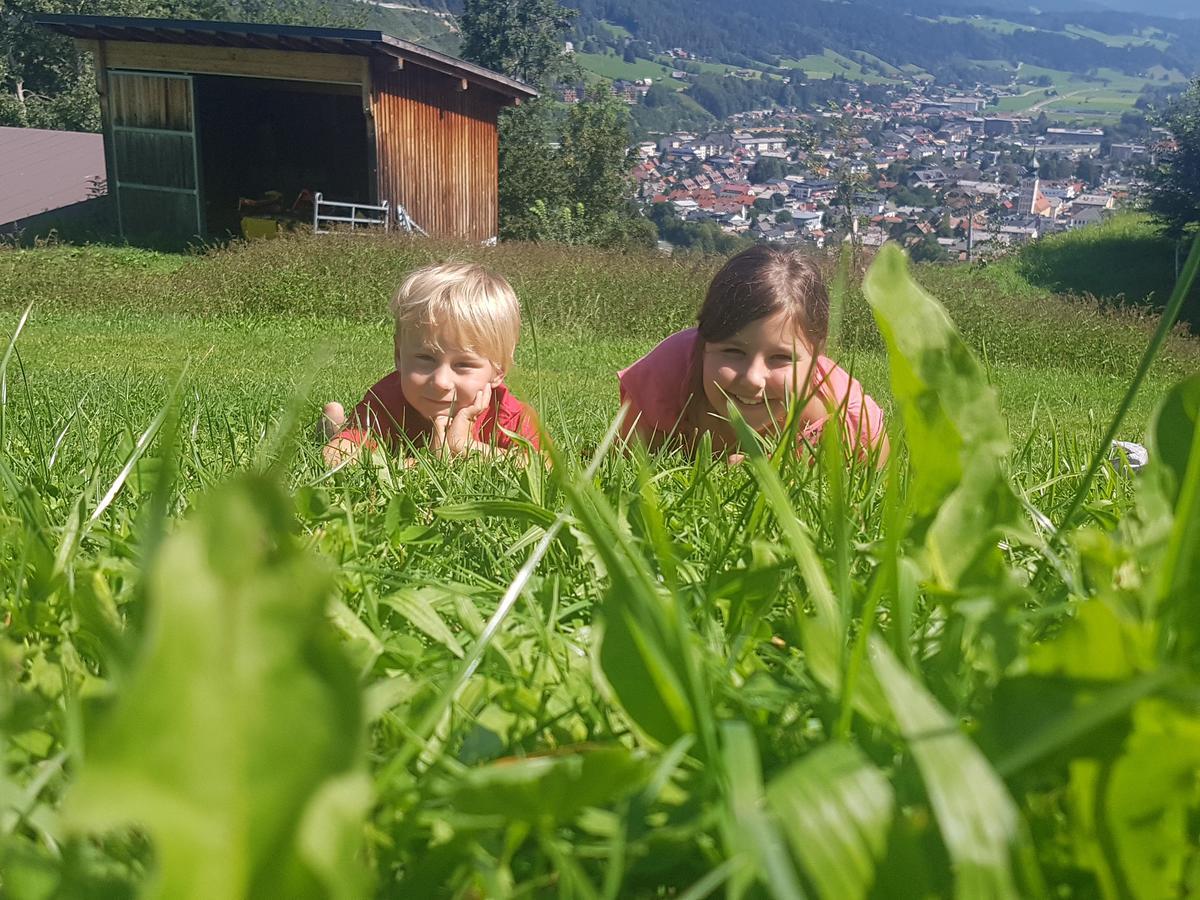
x=1124 y=262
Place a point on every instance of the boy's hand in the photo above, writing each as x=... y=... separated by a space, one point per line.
x=333 y=420
x=452 y=434
x=338 y=450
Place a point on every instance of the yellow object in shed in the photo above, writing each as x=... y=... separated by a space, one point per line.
x=259 y=227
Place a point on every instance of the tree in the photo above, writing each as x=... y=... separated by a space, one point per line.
x=595 y=157
x=528 y=171
x=1175 y=180
x=1090 y=170
x=767 y=168
x=521 y=38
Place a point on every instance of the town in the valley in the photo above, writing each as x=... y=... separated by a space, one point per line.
x=941 y=171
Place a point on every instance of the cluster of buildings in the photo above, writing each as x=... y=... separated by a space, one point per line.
x=916 y=168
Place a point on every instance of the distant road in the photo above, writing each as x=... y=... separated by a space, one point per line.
x=1054 y=99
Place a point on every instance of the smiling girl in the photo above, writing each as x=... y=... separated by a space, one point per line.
x=757 y=348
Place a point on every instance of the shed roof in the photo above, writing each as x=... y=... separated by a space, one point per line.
x=358 y=41
x=45 y=170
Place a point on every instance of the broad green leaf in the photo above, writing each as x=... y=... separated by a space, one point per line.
x=1050 y=718
x=1096 y=643
x=415 y=606
x=1150 y=792
x=836 y=810
x=648 y=652
x=362 y=642
x=957 y=439
x=237 y=713
x=549 y=789
x=521 y=510
x=1176 y=445
x=1173 y=429
x=975 y=813
x=329 y=835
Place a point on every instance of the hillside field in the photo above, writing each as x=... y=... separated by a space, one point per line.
x=230 y=673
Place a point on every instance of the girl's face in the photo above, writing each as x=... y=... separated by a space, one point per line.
x=757 y=369
x=437 y=382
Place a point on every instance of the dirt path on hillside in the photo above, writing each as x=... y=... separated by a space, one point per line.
x=1049 y=100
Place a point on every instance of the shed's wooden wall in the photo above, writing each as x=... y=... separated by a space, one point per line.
x=437 y=150
x=287 y=64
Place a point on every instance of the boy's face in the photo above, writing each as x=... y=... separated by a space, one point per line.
x=437 y=382
x=757 y=369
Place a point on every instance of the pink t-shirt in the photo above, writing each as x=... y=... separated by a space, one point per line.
x=385 y=413
x=660 y=386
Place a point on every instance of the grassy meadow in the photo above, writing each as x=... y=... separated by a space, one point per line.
x=230 y=673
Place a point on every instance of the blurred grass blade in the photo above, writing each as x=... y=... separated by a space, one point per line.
x=749 y=832
x=824 y=635
x=836 y=810
x=271 y=454
x=521 y=510
x=974 y=811
x=413 y=604
x=8 y=353
x=139 y=449
x=552 y=788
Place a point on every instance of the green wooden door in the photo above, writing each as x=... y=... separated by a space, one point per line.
x=153 y=119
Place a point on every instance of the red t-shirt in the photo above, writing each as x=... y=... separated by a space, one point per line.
x=385 y=413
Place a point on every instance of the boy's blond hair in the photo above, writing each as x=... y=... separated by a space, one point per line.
x=476 y=305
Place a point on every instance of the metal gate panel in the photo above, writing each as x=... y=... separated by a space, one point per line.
x=154 y=156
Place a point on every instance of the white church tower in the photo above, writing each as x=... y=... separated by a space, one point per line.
x=1030 y=188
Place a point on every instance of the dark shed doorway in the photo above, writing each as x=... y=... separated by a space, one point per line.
x=258 y=135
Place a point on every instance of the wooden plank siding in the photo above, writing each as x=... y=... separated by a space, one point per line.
x=284 y=64
x=437 y=149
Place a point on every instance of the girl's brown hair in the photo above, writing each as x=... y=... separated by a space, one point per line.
x=760 y=282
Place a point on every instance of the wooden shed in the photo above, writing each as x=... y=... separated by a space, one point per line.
x=199 y=114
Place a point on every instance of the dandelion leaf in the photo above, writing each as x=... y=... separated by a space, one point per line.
x=1173 y=431
x=957 y=439
x=1130 y=818
x=643 y=667
x=836 y=809
x=1176 y=453
x=1149 y=795
x=236 y=740
x=549 y=789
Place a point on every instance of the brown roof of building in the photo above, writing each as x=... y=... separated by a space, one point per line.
x=45 y=170
x=278 y=37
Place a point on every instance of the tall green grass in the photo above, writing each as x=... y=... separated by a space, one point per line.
x=229 y=674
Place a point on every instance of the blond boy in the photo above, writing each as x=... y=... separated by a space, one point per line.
x=457 y=326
